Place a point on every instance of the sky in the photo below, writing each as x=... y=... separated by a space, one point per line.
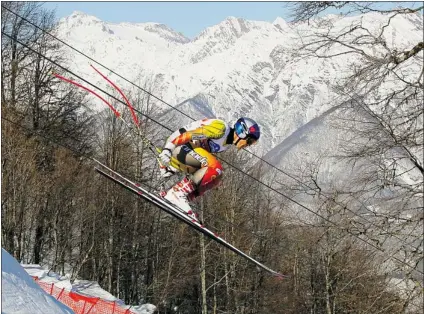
x=188 y=18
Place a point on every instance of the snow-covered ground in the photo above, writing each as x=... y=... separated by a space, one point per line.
x=20 y=294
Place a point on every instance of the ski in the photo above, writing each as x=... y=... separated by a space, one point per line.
x=176 y=212
x=137 y=185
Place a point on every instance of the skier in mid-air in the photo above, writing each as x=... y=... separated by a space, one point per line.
x=193 y=147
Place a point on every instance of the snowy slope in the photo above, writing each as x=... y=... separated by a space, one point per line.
x=21 y=295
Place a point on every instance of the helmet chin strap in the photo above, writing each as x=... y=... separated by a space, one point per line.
x=230 y=137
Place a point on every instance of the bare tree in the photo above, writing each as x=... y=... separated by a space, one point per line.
x=44 y=113
x=381 y=94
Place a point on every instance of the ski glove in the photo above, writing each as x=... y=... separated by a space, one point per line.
x=165 y=156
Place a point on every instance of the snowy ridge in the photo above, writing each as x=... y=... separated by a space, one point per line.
x=240 y=67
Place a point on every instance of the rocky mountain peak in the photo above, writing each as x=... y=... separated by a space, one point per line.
x=167 y=33
x=78 y=18
x=229 y=29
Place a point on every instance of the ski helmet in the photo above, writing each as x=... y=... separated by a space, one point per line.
x=246 y=128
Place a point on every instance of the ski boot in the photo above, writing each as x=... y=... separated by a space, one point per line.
x=179 y=195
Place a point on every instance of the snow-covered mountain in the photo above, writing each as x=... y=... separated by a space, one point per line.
x=235 y=68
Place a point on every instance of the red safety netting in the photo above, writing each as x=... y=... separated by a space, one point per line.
x=82 y=304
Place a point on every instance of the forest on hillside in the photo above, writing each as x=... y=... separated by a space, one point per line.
x=57 y=212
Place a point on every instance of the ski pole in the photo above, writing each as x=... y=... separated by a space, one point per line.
x=145 y=140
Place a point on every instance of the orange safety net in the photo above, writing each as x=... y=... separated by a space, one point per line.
x=82 y=304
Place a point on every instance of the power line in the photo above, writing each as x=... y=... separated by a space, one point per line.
x=147 y=92
x=322 y=217
x=257 y=180
x=174 y=108
x=73 y=48
x=161 y=100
